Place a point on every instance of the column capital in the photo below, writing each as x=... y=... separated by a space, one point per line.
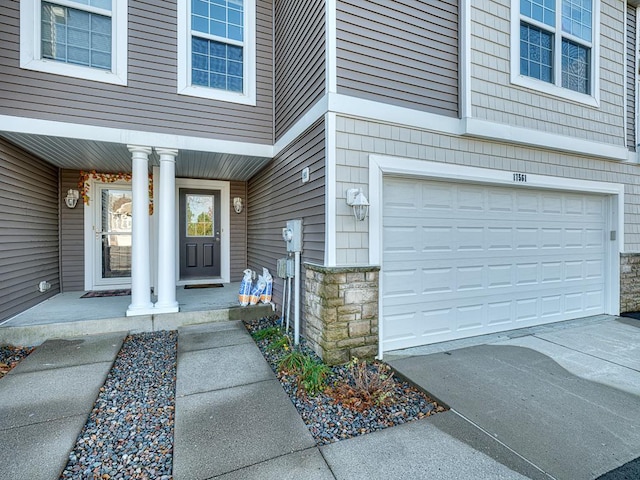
x=139 y=149
x=172 y=152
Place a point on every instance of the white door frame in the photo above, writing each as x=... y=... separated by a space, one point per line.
x=381 y=166
x=225 y=234
x=91 y=217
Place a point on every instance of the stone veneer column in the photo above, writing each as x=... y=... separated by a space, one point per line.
x=140 y=262
x=166 y=233
x=341 y=311
x=629 y=282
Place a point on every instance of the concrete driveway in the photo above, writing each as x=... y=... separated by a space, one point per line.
x=564 y=397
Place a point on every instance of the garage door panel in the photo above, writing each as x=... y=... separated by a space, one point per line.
x=496 y=258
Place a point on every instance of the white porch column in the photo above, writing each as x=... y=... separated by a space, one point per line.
x=167 y=233
x=140 y=263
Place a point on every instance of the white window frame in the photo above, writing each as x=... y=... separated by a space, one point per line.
x=30 y=44
x=248 y=95
x=556 y=89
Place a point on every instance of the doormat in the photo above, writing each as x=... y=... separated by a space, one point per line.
x=107 y=293
x=204 y=285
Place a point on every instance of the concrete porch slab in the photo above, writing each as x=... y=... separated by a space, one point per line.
x=236 y=427
x=68 y=315
x=218 y=368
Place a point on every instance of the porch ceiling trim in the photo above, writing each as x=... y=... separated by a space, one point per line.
x=23 y=125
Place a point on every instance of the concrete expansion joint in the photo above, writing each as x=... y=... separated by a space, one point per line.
x=186 y=395
x=502 y=443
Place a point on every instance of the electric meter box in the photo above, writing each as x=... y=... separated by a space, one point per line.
x=292 y=235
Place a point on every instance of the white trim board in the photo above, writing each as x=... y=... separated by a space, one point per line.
x=123 y=136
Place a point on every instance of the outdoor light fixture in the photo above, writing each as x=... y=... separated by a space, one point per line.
x=72 y=198
x=237 y=204
x=359 y=203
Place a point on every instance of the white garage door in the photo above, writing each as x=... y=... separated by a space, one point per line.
x=462 y=259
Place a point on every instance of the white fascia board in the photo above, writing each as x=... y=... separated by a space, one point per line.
x=382 y=112
x=330 y=191
x=309 y=118
x=130 y=137
x=331 y=55
x=475 y=127
x=465 y=61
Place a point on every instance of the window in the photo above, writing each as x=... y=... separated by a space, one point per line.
x=77 y=38
x=557 y=46
x=216 y=43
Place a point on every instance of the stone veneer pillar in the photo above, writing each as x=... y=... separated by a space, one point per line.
x=341 y=311
x=629 y=282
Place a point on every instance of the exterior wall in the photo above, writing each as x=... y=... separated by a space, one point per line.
x=299 y=59
x=629 y=282
x=341 y=311
x=400 y=53
x=277 y=194
x=29 y=204
x=631 y=76
x=494 y=98
x=238 y=234
x=71 y=236
x=150 y=101
x=357 y=139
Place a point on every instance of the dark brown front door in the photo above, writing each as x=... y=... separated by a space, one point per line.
x=199 y=233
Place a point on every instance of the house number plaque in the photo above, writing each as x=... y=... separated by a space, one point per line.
x=519 y=177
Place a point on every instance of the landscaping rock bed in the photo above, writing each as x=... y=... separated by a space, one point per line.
x=129 y=433
x=10 y=356
x=331 y=415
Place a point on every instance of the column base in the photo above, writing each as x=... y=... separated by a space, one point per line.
x=133 y=311
x=166 y=308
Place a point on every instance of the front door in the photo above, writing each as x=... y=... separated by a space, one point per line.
x=200 y=226
x=113 y=235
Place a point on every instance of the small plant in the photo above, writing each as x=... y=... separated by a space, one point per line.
x=280 y=343
x=266 y=333
x=313 y=376
x=291 y=362
x=371 y=386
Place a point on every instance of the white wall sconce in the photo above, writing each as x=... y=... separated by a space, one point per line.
x=359 y=203
x=237 y=204
x=72 y=198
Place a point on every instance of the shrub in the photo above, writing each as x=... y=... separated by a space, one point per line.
x=372 y=385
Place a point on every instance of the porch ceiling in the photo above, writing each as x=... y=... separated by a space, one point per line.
x=79 y=154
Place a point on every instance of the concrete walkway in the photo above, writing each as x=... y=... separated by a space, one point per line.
x=516 y=412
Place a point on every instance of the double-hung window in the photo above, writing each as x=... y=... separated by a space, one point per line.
x=216 y=44
x=78 y=38
x=557 y=47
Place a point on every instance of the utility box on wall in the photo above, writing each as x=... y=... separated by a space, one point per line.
x=292 y=235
